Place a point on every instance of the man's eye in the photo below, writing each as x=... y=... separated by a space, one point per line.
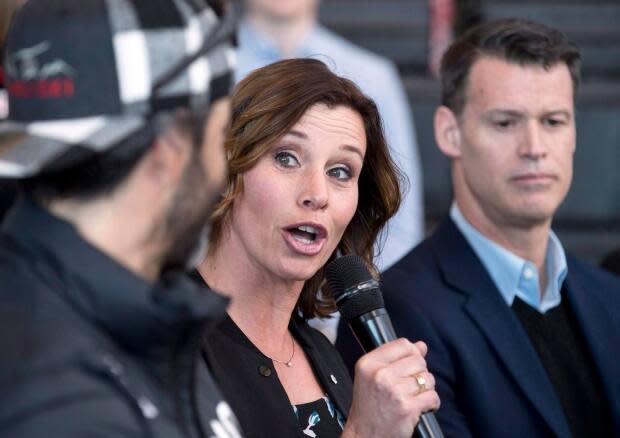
x=504 y=123
x=554 y=122
x=286 y=159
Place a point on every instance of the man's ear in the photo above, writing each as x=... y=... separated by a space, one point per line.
x=447 y=132
x=167 y=158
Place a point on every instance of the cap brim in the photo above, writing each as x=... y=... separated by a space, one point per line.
x=28 y=148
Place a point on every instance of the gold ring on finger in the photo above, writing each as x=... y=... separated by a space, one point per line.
x=421 y=380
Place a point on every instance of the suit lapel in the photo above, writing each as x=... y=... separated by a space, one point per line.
x=463 y=271
x=597 y=328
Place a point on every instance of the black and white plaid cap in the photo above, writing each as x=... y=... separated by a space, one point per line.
x=84 y=75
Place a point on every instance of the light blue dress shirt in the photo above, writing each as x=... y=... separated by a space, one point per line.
x=379 y=79
x=512 y=275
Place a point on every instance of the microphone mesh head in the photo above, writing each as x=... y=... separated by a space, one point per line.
x=343 y=275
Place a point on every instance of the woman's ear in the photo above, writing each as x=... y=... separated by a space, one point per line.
x=447 y=132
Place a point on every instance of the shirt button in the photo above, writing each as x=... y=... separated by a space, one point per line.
x=264 y=371
x=528 y=273
x=333 y=379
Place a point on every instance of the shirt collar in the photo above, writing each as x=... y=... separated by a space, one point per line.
x=514 y=276
x=140 y=315
x=256 y=43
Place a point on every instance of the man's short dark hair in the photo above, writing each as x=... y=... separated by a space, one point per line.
x=513 y=40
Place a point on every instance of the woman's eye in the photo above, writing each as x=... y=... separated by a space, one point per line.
x=286 y=159
x=341 y=173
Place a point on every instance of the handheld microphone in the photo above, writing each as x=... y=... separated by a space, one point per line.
x=360 y=303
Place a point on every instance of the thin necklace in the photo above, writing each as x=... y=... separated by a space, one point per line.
x=289 y=362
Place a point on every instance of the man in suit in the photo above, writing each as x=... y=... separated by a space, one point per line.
x=522 y=338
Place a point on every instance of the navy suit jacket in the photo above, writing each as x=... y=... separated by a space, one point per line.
x=489 y=377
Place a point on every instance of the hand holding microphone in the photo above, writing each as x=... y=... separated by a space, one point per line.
x=392 y=391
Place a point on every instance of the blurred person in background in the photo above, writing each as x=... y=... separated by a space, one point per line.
x=523 y=338
x=310 y=176
x=7 y=10
x=278 y=29
x=116 y=126
x=8 y=187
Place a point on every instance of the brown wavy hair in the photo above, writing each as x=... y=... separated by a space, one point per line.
x=265 y=106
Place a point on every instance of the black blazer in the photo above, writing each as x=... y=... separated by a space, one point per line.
x=248 y=379
x=489 y=376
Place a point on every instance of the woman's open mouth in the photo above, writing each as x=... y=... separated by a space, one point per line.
x=307 y=239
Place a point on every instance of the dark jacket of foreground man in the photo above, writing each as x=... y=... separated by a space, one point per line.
x=91 y=350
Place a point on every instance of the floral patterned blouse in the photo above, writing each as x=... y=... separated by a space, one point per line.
x=320 y=418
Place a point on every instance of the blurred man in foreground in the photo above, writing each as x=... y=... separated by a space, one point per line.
x=523 y=339
x=117 y=115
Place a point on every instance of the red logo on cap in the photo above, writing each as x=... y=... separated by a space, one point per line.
x=27 y=77
x=43 y=89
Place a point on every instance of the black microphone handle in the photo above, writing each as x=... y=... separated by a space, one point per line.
x=375 y=328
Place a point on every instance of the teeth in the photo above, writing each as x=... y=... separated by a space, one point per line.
x=302 y=240
x=308 y=229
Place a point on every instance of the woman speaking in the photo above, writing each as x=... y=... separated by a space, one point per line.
x=310 y=176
